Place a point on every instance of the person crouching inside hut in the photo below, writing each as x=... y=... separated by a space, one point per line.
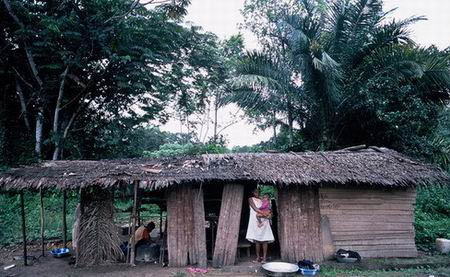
x=142 y=234
x=260 y=234
x=146 y=248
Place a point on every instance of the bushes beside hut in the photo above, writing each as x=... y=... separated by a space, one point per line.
x=432 y=215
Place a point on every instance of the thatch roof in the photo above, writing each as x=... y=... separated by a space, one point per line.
x=378 y=167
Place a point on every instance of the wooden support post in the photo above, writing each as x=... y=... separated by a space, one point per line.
x=160 y=222
x=228 y=227
x=129 y=240
x=139 y=202
x=133 y=226
x=24 y=233
x=139 y=217
x=199 y=234
x=41 y=196
x=64 y=219
x=82 y=209
x=165 y=226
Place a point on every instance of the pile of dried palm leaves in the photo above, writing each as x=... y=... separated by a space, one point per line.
x=98 y=239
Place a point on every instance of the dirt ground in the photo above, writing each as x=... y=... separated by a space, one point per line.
x=49 y=266
x=424 y=266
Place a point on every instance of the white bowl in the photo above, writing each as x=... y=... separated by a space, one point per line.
x=280 y=267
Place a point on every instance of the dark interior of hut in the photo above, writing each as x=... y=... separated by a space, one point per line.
x=212 y=204
x=246 y=251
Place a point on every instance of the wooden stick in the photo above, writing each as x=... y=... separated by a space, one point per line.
x=355 y=148
x=24 y=233
x=82 y=204
x=139 y=217
x=128 y=243
x=64 y=219
x=41 y=195
x=133 y=227
x=165 y=225
x=160 y=221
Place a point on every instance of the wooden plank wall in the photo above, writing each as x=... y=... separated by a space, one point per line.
x=375 y=223
x=299 y=224
x=228 y=227
x=186 y=241
x=199 y=239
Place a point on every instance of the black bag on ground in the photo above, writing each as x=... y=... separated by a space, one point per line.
x=348 y=254
x=306 y=264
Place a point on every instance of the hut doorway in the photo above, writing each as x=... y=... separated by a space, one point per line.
x=212 y=202
x=246 y=250
x=227 y=214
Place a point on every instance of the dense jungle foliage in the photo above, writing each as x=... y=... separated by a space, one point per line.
x=93 y=79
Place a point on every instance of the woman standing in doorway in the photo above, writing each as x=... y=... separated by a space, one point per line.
x=260 y=235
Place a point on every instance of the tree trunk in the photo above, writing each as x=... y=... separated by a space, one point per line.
x=38 y=139
x=56 y=133
x=290 y=122
x=216 y=109
x=34 y=70
x=274 y=125
x=23 y=105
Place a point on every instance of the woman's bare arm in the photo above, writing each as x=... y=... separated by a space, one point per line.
x=252 y=204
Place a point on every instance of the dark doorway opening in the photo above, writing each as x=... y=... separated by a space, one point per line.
x=244 y=246
x=213 y=201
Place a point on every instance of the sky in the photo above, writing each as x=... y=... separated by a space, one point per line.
x=223 y=16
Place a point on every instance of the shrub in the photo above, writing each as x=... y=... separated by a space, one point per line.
x=10 y=217
x=432 y=215
x=175 y=149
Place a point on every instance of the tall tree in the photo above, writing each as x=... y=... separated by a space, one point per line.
x=76 y=57
x=345 y=52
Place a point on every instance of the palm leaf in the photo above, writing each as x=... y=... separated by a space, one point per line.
x=392 y=33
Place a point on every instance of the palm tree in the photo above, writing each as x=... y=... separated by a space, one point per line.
x=264 y=85
x=333 y=48
x=337 y=48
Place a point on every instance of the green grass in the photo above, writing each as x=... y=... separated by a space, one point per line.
x=410 y=272
x=10 y=217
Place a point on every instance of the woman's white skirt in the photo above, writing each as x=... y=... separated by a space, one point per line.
x=258 y=234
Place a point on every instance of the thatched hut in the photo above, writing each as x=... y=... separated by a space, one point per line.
x=358 y=198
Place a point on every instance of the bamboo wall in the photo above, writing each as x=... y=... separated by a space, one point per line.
x=186 y=240
x=299 y=224
x=228 y=227
x=374 y=223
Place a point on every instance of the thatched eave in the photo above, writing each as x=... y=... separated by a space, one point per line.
x=376 y=167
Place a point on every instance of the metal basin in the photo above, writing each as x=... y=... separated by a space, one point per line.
x=60 y=252
x=346 y=260
x=280 y=269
